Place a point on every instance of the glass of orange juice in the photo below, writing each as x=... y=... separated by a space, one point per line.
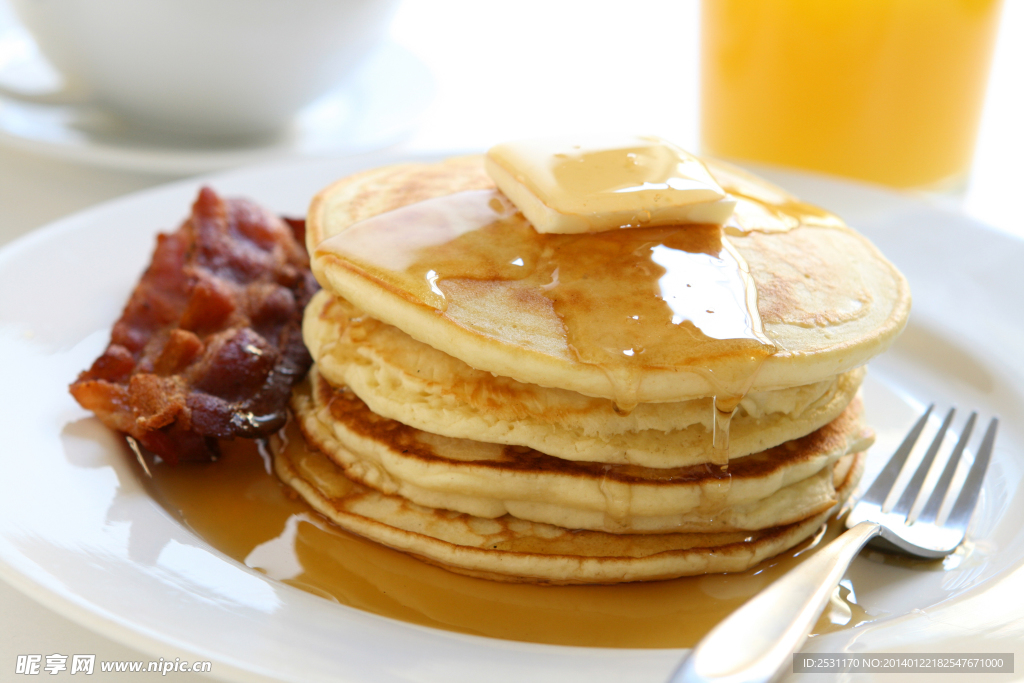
x=883 y=90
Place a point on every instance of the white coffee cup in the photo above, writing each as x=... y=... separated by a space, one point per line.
x=206 y=68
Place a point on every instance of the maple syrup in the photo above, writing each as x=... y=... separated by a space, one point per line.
x=240 y=508
x=666 y=297
x=631 y=299
x=628 y=299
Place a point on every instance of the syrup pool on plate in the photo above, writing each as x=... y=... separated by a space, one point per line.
x=237 y=506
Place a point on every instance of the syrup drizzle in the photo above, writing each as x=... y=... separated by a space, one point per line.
x=762 y=207
x=627 y=299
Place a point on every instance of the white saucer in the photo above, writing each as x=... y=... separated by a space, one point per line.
x=375 y=108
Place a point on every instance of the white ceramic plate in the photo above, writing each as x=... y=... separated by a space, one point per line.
x=377 y=106
x=79 y=533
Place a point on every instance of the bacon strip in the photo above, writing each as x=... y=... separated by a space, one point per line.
x=210 y=342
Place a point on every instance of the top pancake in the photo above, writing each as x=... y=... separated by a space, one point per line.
x=825 y=296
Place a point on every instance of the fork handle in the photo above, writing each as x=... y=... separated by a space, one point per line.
x=758 y=639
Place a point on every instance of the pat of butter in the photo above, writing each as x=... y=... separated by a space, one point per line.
x=606 y=183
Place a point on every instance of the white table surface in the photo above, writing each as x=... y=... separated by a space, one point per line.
x=506 y=70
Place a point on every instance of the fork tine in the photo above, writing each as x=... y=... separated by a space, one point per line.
x=910 y=493
x=968 y=498
x=934 y=504
x=887 y=477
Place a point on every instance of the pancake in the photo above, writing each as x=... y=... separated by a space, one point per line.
x=413 y=383
x=511 y=549
x=827 y=299
x=597 y=407
x=775 y=487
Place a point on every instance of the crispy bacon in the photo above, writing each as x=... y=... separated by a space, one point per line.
x=210 y=342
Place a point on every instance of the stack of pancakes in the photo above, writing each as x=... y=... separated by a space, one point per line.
x=465 y=425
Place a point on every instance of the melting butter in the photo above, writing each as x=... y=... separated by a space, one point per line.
x=606 y=183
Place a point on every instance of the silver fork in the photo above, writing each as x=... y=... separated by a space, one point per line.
x=758 y=639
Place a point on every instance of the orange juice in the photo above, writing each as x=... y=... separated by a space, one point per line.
x=883 y=90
